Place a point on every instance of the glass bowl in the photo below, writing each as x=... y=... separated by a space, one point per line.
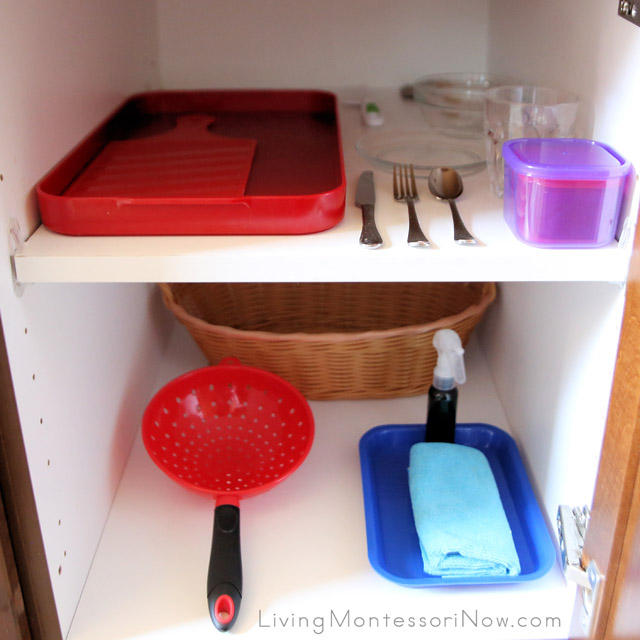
x=453 y=103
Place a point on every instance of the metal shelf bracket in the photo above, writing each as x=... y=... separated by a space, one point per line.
x=15 y=246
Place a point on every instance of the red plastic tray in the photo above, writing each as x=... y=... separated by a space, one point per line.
x=203 y=163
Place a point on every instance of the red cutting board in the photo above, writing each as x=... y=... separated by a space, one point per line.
x=187 y=161
x=273 y=164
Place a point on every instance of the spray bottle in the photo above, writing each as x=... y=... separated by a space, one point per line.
x=443 y=394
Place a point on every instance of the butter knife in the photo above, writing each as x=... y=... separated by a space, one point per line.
x=366 y=199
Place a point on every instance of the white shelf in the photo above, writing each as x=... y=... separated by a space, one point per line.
x=303 y=545
x=333 y=255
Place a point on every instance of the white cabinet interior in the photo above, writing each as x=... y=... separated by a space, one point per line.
x=304 y=548
x=85 y=357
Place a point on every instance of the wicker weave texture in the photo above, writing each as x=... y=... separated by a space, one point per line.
x=331 y=340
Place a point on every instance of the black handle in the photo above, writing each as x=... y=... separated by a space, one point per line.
x=224 y=580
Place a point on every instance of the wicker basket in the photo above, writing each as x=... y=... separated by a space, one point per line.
x=331 y=340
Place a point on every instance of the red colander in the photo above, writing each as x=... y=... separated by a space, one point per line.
x=229 y=431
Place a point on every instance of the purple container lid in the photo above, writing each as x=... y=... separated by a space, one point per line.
x=564 y=159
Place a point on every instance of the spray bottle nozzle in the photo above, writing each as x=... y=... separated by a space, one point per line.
x=450 y=367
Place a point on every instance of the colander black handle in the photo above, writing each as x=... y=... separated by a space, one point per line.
x=224 y=581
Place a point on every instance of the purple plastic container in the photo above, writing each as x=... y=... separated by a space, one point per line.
x=563 y=192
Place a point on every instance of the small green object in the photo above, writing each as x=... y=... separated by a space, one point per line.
x=372 y=107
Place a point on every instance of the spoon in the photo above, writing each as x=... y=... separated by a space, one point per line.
x=446 y=184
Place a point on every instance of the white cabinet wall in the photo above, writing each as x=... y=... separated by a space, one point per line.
x=86 y=353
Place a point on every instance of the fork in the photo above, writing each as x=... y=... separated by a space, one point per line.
x=404 y=188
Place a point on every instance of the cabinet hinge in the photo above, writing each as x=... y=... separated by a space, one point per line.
x=572 y=527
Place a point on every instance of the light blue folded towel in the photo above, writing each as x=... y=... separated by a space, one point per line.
x=459 y=517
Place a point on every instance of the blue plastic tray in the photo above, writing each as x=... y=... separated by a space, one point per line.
x=392 y=541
